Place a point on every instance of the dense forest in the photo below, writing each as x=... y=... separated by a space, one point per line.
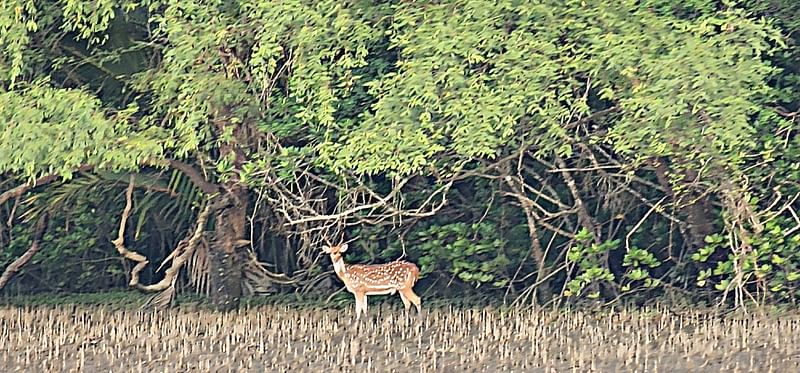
x=531 y=152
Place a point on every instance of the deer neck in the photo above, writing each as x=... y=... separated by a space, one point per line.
x=340 y=267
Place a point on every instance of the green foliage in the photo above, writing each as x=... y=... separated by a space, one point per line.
x=682 y=9
x=328 y=40
x=71 y=257
x=784 y=12
x=697 y=98
x=638 y=262
x=474 y=75
x=474 y=254
x=243 y=89
x=88 y=18
x=17 y=18
x=591 y=268
x=462 y=87
x=47 y=130
x=771 y=266
x=471 y=78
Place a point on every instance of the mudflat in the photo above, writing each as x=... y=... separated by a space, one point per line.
x=280 y=338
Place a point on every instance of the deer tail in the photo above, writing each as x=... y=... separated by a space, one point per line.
x=414 y=273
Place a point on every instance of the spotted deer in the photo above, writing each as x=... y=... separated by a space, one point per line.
x=375 y=279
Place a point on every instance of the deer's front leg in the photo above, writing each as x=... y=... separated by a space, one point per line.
x=406 y=302
x=360 y=303
x=409 y=294
x=364 y=303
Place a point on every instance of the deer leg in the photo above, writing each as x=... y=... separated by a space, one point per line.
x=414 y=298
x=358 y=305
x=364 y=303
x=406 y=302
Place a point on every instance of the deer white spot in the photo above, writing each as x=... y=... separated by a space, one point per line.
x=373 y=279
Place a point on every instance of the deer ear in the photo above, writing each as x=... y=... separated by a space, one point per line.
x=326 y=249
x=343 y=248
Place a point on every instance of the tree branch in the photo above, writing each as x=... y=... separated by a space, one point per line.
x=583 y=214
x=14 y=267
x=21 y=189
x=381 y=202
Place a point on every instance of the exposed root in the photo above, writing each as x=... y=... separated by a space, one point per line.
x=257 y=279
x=180 y=256
x=119 y=242
x=184 y=250
x=198 y=268
x=161 y=299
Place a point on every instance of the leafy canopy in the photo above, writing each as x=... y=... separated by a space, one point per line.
x=468 y=79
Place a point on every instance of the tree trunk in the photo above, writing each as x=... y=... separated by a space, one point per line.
x=226 y=259
x=542 y=292
x=697 y=212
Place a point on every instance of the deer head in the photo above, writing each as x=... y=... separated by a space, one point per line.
x=335 y=251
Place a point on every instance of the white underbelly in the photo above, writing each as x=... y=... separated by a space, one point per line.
x=381 y=292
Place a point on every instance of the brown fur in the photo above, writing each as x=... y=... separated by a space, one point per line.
x=376 y=279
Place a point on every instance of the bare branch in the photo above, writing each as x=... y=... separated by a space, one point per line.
x=785 y=207
x=796 y=227
x=381 y=202
x=583 y=214
x=20 y=262
x=21 y=189
x=635 y=227
x=786 y=113
x=583 y=169
x=536 y=251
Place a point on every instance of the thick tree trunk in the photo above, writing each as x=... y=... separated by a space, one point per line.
x=226 y=259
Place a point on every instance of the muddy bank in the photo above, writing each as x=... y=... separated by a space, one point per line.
x=279 y=338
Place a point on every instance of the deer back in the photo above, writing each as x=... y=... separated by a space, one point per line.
x=381 y=277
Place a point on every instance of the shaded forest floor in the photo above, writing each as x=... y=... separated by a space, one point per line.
x=105 y=332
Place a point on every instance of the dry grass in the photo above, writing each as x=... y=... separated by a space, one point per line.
x=278 y=338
